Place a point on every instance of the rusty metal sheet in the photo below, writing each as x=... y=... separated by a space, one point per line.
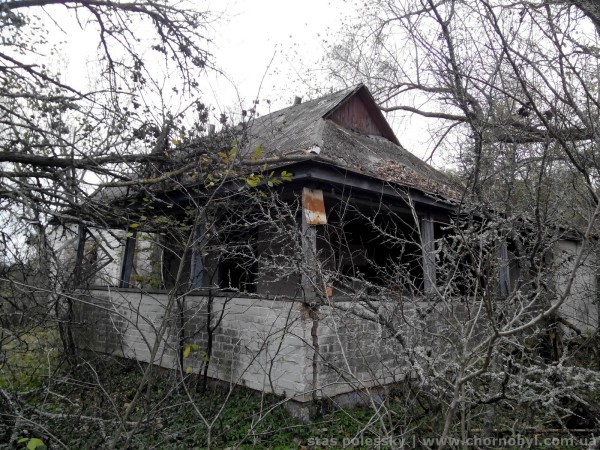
x=314 y=206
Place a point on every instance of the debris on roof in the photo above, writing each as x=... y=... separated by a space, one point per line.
x=345 y=129
x=310 y=128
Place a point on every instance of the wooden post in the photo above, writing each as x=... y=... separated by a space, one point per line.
x=503 y=269
x=81 y=235
x=127 y=267
x=313 y=214
x=309 y=252
x=197 y=269
x=428 y=248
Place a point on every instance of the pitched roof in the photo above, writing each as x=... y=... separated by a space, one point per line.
x=374 y=150
x=344 y=129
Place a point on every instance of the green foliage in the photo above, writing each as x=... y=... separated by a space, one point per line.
x=191 y=349
x=272 y=179
x=32 y=443
x=248 y=420
x=30 y=356
x=257 y=154
x=254 y=179
x=149 y=280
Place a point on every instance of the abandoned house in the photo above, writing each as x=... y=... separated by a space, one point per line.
x=326 y=272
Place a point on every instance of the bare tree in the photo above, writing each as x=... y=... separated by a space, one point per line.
x=378 y=295
x=62 y=139
x=511 y=91
x=60 y=136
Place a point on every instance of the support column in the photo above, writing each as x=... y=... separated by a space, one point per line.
x=313 y=214
x=503 y=269
x=428 y=248
x=309 y=254
x=81 y=236
x=197 y=269
x=127 y=267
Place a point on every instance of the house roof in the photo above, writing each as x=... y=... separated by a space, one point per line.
x=348 y=130
x=344 y=129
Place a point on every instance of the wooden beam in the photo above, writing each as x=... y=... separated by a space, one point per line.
x=316 y=171
x=127 y=267
x=311 y=215
x=197 y=269
x=81 y=236
x=503 y=269
x=428 y=247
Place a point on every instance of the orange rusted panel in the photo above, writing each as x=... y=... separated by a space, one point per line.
x=314 y=206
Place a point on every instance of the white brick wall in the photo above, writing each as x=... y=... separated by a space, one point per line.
x=266 y=344
x=256 y=337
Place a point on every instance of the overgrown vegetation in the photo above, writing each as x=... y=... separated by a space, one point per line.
x=78 y=410
x=520 y=100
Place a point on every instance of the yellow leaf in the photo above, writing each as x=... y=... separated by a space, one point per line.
x=257 y=154
x=186 y=351
x=188 y=370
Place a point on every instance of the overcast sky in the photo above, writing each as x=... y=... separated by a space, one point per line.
x=267 y=49
x=254 y=42
x=283 y=41
x=273 y=42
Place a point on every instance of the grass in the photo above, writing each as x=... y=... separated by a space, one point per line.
x=29 y=358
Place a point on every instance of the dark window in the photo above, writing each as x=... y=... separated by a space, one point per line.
x=171 y=256
x=380 y=249
x=238 y=262
x=238 y=274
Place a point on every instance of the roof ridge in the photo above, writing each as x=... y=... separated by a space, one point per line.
x=300 y=128
x=321 y=99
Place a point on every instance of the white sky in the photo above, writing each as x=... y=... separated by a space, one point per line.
x=283 y=41
x=268 y=49
x=266 y=39
x=253 y=42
